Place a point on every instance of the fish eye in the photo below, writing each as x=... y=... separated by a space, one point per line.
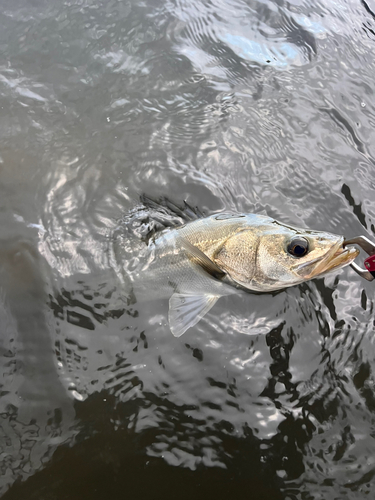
x=298 y=247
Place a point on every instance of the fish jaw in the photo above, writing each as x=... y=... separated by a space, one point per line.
x=336 y=258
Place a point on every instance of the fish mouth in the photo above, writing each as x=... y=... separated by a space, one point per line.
x=337 y=257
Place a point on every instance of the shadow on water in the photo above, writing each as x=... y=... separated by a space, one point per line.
x=35 y=409
x=109 y=460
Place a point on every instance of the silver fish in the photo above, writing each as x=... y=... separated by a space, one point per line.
x=205 y=259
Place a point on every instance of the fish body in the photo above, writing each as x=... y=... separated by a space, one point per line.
x=199 y=262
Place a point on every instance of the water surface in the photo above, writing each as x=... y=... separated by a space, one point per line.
x=249 y=106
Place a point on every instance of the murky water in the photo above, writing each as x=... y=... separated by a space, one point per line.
x=232 y=105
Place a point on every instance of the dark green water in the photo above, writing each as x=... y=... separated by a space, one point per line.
x=230 y=105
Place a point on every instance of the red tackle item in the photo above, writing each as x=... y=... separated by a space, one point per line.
x=370 y=264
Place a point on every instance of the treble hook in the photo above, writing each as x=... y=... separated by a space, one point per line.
x=369 y=247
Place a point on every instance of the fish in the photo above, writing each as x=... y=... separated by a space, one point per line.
x=202 y=260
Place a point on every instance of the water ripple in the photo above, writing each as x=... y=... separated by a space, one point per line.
x=249 y=106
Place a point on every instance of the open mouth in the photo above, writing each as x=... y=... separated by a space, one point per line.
x=337 y=257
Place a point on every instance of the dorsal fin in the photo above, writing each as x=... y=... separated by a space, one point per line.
x=156 y=215
x=186 y=213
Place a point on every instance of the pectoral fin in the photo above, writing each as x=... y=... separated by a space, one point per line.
x=201 y=259
x=186 y=310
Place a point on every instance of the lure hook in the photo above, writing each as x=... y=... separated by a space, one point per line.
x=369 y=247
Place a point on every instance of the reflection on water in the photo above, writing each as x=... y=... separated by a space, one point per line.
x=234 y=105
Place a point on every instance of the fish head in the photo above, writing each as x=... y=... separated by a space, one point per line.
x=274 y=256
